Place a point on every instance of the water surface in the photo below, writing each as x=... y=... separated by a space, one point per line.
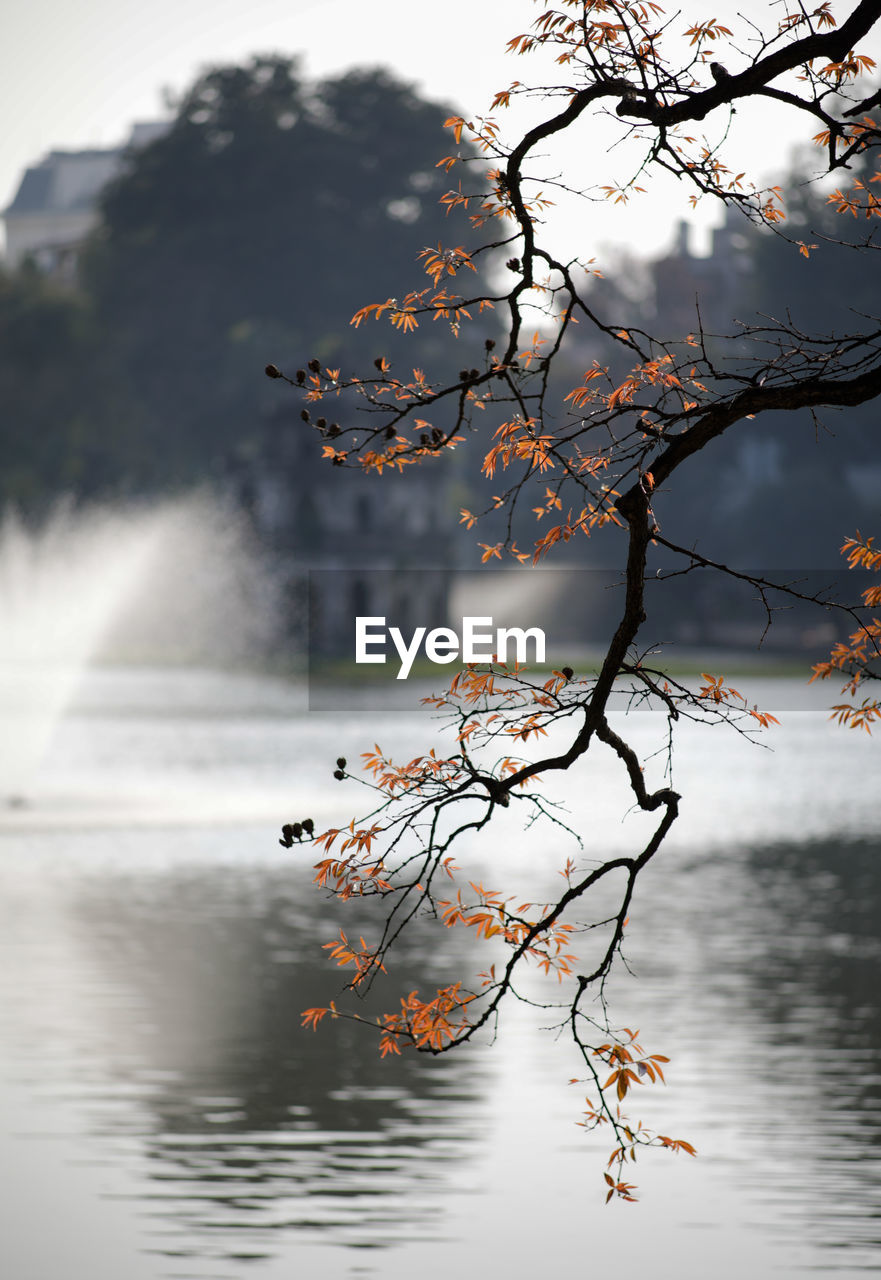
x=164 y=1115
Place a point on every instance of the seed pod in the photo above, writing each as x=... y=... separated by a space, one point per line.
x=305 y=415
x=315 y=366
x=339 y=775
x=272 y=372
x=308 y=826
x=341 y=762
x=301 y=376
x=567 y=672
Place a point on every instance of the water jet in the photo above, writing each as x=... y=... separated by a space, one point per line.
x=174 y=581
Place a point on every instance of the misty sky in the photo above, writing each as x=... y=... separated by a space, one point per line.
x=77 y=75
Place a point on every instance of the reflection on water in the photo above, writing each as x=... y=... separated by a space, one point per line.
x=170 y=1000
x=165 y=1116
x=769 y=967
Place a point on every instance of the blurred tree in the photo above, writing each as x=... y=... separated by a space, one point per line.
x=57 y=392
x=261 y=217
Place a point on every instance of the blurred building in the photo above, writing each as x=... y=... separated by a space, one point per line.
x=346 y=543
x=692 y=291
x=56 y=204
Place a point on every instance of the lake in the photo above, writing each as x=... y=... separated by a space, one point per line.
x=164 y=1116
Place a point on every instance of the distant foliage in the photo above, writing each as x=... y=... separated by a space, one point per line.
x=59 y=393
x=256 y=223
x=253 y=225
